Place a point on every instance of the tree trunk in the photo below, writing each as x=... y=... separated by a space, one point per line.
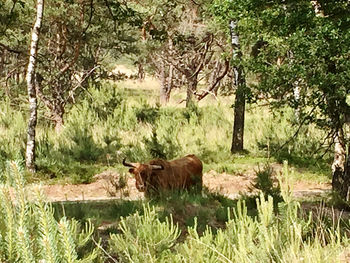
x=239 y=108
x=30 y=150
x=170 y=82
x=140 y=72
x=346 y=186
x=166 y=83
x=296 y=93
x=163 y=87
x=238 y=125
x=191 y=88
x=341 y=167
x=213 y=77
x=58 y=119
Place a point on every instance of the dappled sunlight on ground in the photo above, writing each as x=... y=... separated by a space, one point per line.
x=227 y=184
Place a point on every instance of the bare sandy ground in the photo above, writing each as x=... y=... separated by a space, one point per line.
x=227 y=184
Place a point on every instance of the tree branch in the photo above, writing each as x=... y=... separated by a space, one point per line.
x=218 y=79
x=299 y=128
x=10 y=49
x=90 y=17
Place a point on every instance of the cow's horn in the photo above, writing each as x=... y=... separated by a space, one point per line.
x=157 y=167
x=128 y=164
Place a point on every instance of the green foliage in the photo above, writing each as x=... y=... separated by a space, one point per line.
x=268 y=185
x=29 y=231
x=192 y=113
x=163 y=142
x=154 y=147
x=104 y=100
x=144 y=238
x=105 y=127
x=284 y=234
x=295 y=44
x=84 y=148
x=146 y=113
x=248 y=239
x=273 y=235
x=12 y=132
x=278 y=134
x=75 y=42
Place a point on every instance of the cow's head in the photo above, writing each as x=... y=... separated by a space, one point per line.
x=142 y=173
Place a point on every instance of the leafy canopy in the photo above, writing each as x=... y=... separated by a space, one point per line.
x=289 y=44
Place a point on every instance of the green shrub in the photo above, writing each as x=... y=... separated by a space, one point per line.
x=144 y=238
x=84 y=147
x=29 y=231
x=13 y=134
x=147 y=113
x=268 y=185
x=284 y=234
x=112 y=123
x=192 y=113
x=153 y=146
x=162 y=144
x=136 y=152
x=104 y=100
x=266 y=238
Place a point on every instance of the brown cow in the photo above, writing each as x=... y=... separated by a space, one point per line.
x=158 y=175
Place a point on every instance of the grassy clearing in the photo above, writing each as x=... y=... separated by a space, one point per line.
x=125 y=120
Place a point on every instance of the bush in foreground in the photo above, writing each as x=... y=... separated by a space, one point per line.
x=284 y=234
x=29 y=231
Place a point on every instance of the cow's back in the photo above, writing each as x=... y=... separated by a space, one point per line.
x=178 y=174
x=188 y=166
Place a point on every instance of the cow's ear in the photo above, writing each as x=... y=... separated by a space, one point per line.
x=131 y=170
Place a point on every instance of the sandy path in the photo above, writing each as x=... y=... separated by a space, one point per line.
x=227 y=184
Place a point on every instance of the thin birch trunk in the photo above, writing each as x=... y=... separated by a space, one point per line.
x=238 y=125
x=339 y=165
x=341 y=162
x=30 y=78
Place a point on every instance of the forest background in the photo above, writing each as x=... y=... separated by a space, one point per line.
x=230 y=81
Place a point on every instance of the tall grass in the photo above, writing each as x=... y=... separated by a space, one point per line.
x=117 y=121
x=12 y=132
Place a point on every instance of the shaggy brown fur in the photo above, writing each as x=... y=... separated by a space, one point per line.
x=159 y=175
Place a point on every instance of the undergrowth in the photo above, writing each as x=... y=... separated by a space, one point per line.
x=278 y=232
x=273 y=231
x=112 y=123
x=30 y=233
